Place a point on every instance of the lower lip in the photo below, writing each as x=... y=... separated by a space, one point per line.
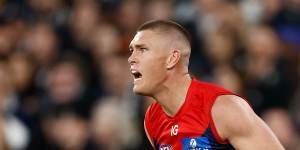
x=136 y=80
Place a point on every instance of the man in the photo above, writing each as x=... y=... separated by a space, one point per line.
x=189 y=114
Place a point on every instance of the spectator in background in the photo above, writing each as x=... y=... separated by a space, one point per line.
x=12 y=129
x=85 y=17
x=107 y=51
x=53 y=11
x=280 y=122
x=214 y=14
x=105 y=43
x=64 y=103
x=3 y=142
x=42 y=43
x=6 y=42
x=66 y=86
x=229 y=78
x=116 y=76
x=220 y=48
x=23 y=70
x=2 y=136
x=64 y=129
x=271 y=9
x=128 y=10
x=36 y=34
x=112 y=128
x=65 y=83
x=158 y=9
x=266 y=82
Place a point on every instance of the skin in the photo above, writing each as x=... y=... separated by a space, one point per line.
x=160 y=65
x=238 y=124
x=163 y=64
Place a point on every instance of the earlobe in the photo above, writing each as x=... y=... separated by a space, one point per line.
x=173 y=59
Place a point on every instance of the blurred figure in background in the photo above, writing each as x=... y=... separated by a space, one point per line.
x=64 y=106
x=6 y=43
x=111 y=65
x=11 y=34
x=280 y=122
x=229 y=78
x=42 y=43
x=116 y=75
x=250 y=47
x=66 y=86
x=13 y=131
x=112 y=128
x=2 y=136
x=23 y=73
x=23 y=69
x=85 y=17
x=105 y=42
x=220 y=47
x=158 y=9
x=128 y=10
x=64 y=129
x=267 y=81
x=52 y=11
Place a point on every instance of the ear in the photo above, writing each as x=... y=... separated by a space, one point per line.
x=173 y=59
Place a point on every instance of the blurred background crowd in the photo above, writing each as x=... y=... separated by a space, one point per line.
x=65 y=81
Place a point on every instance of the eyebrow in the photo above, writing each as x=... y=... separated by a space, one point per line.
x=137 y=45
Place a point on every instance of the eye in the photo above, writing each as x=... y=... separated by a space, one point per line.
x=143 y=49
x=130 y=50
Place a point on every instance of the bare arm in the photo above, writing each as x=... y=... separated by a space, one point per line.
x=236 y=122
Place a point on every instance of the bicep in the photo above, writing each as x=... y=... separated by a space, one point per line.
x=236 y=122
x=257 y=136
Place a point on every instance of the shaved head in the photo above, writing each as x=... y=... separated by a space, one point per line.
x=159 y=54
x=178 y=38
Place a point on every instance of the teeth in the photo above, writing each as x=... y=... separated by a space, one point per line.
x=135 y=74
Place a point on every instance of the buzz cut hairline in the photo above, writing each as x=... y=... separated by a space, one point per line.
x=165 y=26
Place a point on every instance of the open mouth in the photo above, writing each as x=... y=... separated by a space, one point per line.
x=136 y=74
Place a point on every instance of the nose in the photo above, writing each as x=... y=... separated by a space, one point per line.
x=132 y=59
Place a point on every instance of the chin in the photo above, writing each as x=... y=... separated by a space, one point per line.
x=140 y=91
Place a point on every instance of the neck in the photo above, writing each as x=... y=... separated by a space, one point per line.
x=173 y=92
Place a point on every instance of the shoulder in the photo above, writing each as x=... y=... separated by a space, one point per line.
x=232 y=115
x=237 y=123
x=209 y=88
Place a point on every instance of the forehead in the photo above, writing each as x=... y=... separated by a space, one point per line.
x=145 y=37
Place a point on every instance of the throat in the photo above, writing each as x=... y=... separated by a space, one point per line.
x=173 y=108
x=172 y=99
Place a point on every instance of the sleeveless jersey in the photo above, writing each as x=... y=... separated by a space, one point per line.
x=192 y=127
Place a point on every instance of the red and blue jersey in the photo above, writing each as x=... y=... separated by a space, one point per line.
x=192 y=127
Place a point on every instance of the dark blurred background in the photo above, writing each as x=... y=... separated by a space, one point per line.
x=65 y=82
